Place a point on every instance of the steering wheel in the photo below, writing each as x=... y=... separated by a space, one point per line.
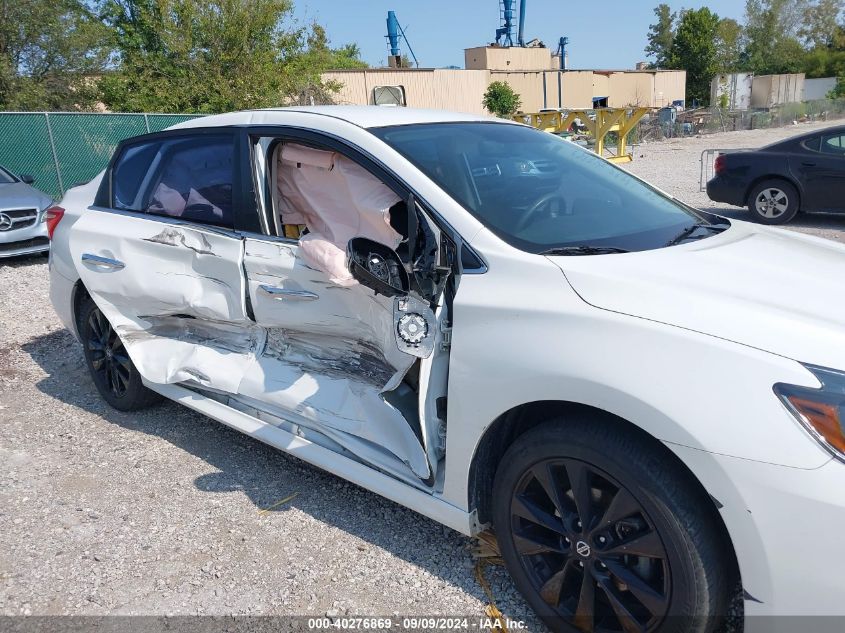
x=528 y=214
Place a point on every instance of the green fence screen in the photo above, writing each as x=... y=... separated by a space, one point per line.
x=61 y=149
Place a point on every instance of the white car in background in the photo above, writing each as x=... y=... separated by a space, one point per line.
x=23 y=216
x=494 y=328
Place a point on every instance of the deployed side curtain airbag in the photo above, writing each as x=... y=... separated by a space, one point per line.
x=337 y=200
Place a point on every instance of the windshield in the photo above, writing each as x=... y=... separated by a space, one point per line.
x=6 y=177
x=540 y=193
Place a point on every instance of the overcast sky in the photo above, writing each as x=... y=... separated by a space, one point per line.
x=439 y=30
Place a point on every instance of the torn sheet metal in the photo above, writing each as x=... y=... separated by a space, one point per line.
x=328 y=359
x=337 y=200
x=179 y=301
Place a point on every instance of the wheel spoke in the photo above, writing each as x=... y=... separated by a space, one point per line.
x=621 y=506
x=123 y=361
x=647 y=544
x=652 y=600
x=626 y=619
x=586 y=603
x=530 y=544
x=545 y=476
x=97 y=363
x=579 y=480
x=524 y=507
x=550 y=591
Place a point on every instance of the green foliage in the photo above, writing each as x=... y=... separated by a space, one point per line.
x=660 y=36
x=501 y=100
x=838 y=91
x=50 y=54
x=728 y=45
x=215 y=55
x=694 y=50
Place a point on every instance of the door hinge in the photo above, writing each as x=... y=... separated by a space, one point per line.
x=446 y=337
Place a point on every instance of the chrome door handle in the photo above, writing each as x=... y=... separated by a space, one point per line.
x=102 y=262
x=286 y=294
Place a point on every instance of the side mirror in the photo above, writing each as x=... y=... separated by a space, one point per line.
x=27 y=178
x=377 y=267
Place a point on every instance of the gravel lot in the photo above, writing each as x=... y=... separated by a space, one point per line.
x=161 y=512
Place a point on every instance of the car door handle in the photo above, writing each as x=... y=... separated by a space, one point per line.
x=288 y=294
x=102 y=262
x=806 y=164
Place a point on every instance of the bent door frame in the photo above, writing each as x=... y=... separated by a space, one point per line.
x=433 y=440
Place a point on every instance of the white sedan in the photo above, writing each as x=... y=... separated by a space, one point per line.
x=495 y=328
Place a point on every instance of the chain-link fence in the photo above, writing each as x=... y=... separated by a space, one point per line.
x=708 y=120
x=61 y=149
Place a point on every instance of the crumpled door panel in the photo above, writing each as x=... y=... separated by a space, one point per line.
x=178 y=302
x=330 y=352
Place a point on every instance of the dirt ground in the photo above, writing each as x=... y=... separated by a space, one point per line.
x=163 y=512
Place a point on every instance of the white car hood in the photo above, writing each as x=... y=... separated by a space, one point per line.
x=772 y=289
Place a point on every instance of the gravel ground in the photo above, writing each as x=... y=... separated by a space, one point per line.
x=160 y=512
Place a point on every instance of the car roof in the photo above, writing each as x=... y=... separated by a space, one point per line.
x=362 y=116
x=836 y=129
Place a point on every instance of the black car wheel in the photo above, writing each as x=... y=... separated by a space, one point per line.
x=601 y=532
x=113 y=372
x=773 y=202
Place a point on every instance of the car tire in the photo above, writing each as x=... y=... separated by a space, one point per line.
x=773 y=201
x=652 y=547
x=113 y=372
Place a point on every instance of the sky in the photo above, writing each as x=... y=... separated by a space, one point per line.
x=612 y=36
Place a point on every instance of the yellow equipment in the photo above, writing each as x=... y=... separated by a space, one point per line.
x=598 y=122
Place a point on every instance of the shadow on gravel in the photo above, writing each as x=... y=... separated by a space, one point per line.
x=22 y=261
x=266 y=476
x=833 y=222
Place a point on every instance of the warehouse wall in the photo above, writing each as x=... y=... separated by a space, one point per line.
x=463 y=90
x=512 y=58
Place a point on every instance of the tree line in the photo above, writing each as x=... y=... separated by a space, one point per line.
x=199 y=56
x=776 y=36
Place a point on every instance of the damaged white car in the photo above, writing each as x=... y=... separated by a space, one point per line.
x=495 y=328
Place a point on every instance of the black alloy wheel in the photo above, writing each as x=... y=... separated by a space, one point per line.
x=114 y=374
x=590 y=549
x=109 y=359
x=604 y=530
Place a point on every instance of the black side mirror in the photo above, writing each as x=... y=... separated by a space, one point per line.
x=377 y=267
x=27 y=178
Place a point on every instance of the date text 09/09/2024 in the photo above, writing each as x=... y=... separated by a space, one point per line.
x=416 y=624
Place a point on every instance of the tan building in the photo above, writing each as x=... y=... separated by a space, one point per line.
x=510 y=58
x=463 y=90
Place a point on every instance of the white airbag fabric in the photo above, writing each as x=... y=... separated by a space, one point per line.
x=337 y=200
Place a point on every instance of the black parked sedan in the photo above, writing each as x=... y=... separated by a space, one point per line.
x=805 y=172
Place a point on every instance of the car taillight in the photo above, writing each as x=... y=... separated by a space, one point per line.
x=719 y=165
x=52 y=216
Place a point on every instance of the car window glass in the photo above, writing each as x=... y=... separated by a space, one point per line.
x=128 y=174
x=834 y=144
x=537 y=191
x=193 y=180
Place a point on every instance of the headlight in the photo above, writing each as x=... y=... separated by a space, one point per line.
x=822 y=410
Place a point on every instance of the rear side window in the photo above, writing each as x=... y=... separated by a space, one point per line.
x=186 y=177
x=129 y=172
x=833 y=144
x=194 y=180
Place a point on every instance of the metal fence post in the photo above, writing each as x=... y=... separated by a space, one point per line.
x=147 y=122
x=55 y=155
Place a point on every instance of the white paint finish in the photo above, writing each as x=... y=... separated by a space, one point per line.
x=429 y=505
x=331 y=358
x=172 y=270
x=785 y=524
x=767 y=288
x=678 y=385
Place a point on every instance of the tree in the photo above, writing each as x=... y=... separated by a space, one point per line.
x=216 y=55
x=501 y=100
x=50 y=53
x=820 y=23
x=694 y=50
x=728 y=46
x=660 y=36
x=772 y=40
x=838 y=91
